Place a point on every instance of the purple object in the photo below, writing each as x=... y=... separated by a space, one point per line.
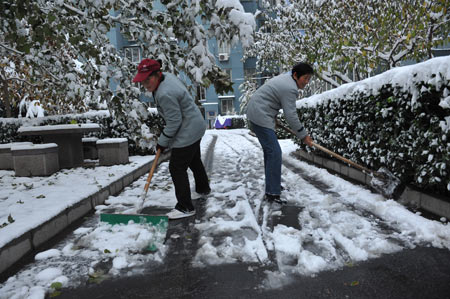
x=222 y=124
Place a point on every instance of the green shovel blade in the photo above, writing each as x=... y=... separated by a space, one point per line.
x=161 y=222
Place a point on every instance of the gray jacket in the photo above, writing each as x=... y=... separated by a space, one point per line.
x=184 y=121
x=280 y=92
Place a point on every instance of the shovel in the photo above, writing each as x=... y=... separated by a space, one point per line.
x=383 y=181
x=160 y=221
x=149 y=178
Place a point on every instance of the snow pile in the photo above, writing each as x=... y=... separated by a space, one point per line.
x=124 y=247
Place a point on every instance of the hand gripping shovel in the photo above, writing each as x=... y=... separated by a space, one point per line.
x=160 y=222
x=382 y=181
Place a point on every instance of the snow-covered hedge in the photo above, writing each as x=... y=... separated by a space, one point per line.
x=109 y=128
x=399 y=119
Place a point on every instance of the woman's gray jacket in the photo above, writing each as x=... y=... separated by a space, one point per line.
x=184 y=121
x=280 y=92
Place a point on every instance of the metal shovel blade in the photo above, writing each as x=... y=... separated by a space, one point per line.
x=386 y=183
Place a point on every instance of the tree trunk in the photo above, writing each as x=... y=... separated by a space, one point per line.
x=5 y=90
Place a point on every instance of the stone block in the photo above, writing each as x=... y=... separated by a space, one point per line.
x=357 y=175
x=410 y=197
x=435 y=205
x=116 y=187
x=344 y=169
x=328 y=164
x=99 y=197
x=90 y=148
x=318 y=160
x=6 y=159
x=79 y=210
x=49 y=229
x=112 y=151
x=35 y=159
x=14 y=251
x=127 y=179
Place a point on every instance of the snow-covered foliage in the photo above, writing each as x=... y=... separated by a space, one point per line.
x=60 y=52
x=349 y=40
x=35 y=109
x=399 y=119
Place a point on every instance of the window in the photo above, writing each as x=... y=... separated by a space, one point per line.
x=224 y=47
x=133 y=53
x=200 y=93
x=226 y=106
x=228 y=71
x=249 y=74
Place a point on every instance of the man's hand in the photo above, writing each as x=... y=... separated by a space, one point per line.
x=308 y=140
x=159 y=147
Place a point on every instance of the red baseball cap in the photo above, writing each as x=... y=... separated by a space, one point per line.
x=145 y=68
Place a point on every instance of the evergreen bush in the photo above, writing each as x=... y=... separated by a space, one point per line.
x=403 y=127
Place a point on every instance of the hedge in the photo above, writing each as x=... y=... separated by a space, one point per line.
x=399 y=119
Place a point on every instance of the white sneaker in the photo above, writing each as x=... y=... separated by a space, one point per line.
x=177 y=214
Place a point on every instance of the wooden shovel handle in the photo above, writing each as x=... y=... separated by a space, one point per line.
x=323 y=149
x=152 y=170
x=319 y=147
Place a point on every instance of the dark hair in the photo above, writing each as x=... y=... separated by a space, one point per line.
x=302 y=68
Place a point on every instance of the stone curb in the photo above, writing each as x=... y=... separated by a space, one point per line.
x=409 y=196
x=25 y=244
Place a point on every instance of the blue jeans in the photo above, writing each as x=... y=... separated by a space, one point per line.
x=272 y=158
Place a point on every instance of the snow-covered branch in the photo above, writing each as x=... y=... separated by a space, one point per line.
x=11 y=49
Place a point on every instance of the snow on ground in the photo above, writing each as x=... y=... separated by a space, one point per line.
x=338 y=223
x=30 y=201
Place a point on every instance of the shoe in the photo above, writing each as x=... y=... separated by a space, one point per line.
x=274 y=198
x=177 y=214
x=204 y=193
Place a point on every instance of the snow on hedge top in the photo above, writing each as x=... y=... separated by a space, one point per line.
x=405 y=77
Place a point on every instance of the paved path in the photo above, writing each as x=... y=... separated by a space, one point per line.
x=235 y=217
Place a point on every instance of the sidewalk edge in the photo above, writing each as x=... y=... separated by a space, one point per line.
x=13 y=251
x=409 y=196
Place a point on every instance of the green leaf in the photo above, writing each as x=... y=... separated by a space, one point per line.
x=106 y=251
x=10 y=219
x=354 y=283
x=51 y=18
x=41 y=196
x=56 y=285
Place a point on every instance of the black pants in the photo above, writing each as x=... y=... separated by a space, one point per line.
x=180 y=159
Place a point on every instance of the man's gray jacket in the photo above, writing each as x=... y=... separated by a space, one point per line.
x=280 y=92
x=184 y=121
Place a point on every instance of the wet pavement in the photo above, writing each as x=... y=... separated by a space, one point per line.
x=414 y=272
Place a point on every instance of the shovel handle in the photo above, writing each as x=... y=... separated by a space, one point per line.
x=323 y=149
x=319 y=147
x=152 y=170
